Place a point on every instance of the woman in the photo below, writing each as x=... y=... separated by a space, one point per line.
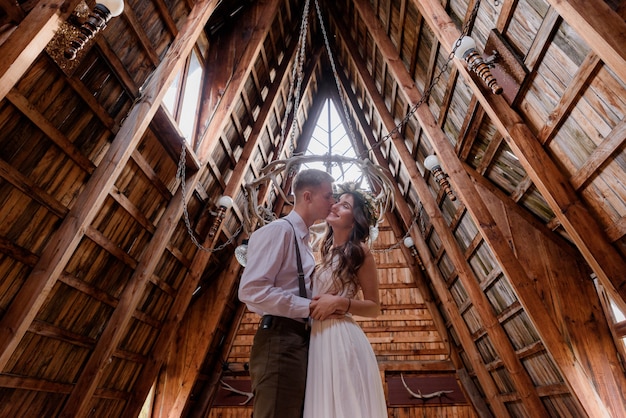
x=343 y=380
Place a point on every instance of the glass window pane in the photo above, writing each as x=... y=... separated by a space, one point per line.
x=190 y=99
x=169 y=101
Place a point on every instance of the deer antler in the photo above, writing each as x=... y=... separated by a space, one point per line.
x=419 y=395
x=228 y=387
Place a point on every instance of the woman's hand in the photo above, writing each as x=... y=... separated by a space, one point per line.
x=328 y=307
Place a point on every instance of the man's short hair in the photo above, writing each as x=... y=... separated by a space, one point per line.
x=310 y=178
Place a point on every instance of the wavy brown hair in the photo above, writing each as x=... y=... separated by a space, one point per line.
x=350 y=256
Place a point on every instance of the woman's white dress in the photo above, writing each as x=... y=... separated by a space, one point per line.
x=343 y=380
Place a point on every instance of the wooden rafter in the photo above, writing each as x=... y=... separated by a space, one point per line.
x=571 y=212
x=31 y=36
x=388 y=122
x=603 y=29
x=576 y=376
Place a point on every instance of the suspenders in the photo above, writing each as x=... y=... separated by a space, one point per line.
x=299 y=261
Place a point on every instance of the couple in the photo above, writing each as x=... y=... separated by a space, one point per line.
x=342 y=379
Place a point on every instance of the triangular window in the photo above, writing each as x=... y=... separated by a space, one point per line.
x=330 y=137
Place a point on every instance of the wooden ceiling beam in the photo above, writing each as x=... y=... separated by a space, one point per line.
x=163 y=9
x=519 y=376
x=54 y=257
x=131 y=17
x=221 y=115
x=388 y=123
x=603 y=29
x=584 y=230
x=611 y=144
x=30 y=37
x=188 y=368
x=571 y=95
x=550 y=183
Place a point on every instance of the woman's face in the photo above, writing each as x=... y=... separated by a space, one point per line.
x=341 y=215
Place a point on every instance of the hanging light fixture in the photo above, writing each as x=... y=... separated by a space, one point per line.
x=408 y=243
x=241 y=253
x=374 y=233
x=97 y=20
x=223 y=204
x=432 y=164
x=466 y=50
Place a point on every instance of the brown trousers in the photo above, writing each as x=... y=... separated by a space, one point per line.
x=278 y=364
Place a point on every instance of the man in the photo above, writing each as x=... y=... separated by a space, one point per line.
x=270 y=287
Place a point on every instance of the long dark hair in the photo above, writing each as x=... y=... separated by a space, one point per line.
x=349 y=256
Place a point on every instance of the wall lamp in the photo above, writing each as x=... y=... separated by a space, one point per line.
x=408 y=243
x=97 y=20
x=432 y=164
x=466 y=50
x=223 y=204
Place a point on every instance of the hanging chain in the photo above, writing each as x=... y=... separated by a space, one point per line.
x=431 y=86
x=335 y=74
x=294 y=93
x=297 y=72
x=180 y=175
x=396 y=130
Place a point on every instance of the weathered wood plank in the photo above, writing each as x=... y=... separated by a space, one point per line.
x=388 y=123
x=174 y=401
x=23 y=46
x=602 y=28
x=550 y=181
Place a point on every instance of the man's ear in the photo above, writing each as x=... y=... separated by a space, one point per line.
x=307 y=196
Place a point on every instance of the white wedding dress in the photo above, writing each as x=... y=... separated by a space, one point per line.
x=343 y=380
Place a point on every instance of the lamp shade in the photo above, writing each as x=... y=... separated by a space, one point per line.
x=373 y=233
x=225 y=201
x=431 y=162
x=116 y=7
x=408 y=242
x=467 y=44
x=241 y=253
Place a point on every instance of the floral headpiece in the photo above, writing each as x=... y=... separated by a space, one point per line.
x=371 y=207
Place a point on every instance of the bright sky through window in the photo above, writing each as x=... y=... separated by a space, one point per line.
x=331 y=137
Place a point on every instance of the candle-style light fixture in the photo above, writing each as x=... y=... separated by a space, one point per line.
x=466 y=50
x=432 y=164
x=408 y=243
x=223 y=204
x=97 y=20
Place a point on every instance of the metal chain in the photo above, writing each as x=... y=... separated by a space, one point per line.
x=180 y=175
x=335 y=74
x=294 y=91
x=428 y=91
x=425 y=96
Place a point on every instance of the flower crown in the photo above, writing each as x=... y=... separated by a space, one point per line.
x=371 y=206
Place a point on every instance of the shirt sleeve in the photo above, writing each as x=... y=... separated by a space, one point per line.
x=263 y=288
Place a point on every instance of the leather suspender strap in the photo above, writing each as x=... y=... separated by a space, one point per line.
x=299 y=261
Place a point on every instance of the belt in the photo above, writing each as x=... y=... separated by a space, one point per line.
x=283 y=323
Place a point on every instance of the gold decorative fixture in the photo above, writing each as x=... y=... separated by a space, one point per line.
x=432 y=164
x=96 y=21
x=466 y=50
x=72 y=38
x=223 y=204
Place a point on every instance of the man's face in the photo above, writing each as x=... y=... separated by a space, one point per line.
x=322 y=200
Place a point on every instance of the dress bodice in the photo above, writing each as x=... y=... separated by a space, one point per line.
x=323 y=282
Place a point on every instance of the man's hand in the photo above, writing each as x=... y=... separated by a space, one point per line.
x=327 y=307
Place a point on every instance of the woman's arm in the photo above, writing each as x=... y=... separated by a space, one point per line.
x=333 y=306
x=368 y=280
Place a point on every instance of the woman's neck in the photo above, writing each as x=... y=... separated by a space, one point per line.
x=340 y=237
